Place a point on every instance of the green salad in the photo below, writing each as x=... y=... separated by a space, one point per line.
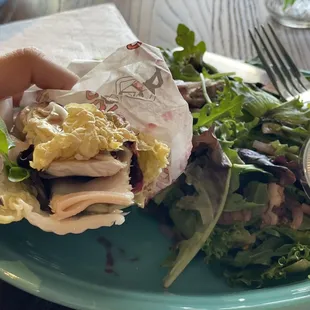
x=240 y=200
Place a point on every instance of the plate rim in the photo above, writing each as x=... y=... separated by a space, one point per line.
x=287 y=295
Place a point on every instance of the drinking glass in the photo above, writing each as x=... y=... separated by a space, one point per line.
x=295 y=14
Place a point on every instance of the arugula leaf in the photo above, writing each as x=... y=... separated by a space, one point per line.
x=227 y=107
x=185 y=62
x=186 y=39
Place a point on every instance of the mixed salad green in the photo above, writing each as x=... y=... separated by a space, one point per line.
x=240 y=200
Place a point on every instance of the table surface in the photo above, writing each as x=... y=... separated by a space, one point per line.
x=96 y=31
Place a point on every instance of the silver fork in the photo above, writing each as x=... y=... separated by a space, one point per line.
x=280 y=67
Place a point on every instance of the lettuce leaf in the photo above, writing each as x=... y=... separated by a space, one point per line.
x=261 y=255
x=256 y=102
x=276 y=148
x=224 y=239
x=293 y=113
x=296 y=236
x=255 y=196
x=293 y=135
x=289 y=261
x=285 y=175
x=238 y=170
x=256 y=192
x=210 y=176
x=236 y=202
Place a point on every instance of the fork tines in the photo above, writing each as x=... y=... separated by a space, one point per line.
x=278 y=64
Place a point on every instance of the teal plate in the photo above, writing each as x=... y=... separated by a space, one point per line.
x=76 y=271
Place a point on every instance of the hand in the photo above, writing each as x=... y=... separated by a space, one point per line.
x=22 y=68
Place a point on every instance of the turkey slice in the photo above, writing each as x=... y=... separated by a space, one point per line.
x=71 y=196
x=18 y=202
x=75 y=225
x=102 y=165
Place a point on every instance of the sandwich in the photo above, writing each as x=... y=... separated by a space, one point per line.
x=82 y=168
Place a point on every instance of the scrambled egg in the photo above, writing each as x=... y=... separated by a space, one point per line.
x=43 y=122
x=152 y=157
x=86 y=131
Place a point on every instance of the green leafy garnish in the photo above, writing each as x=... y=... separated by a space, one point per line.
x=6 y=142
x=18 y=174
x=15 y=173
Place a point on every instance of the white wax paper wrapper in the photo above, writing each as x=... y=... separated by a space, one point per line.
x=136 y=83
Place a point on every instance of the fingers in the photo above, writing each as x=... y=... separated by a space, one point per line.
x=22 y=68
